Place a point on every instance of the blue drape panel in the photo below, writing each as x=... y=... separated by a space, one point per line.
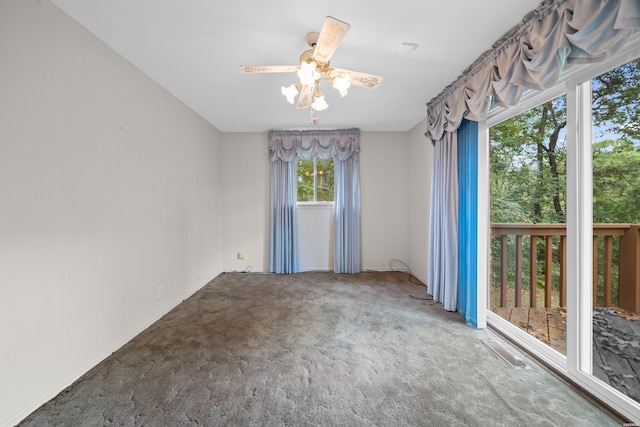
x=283 y=256
x=284 y=148
x=442 y=277
x=347 y=254
x=468 y=221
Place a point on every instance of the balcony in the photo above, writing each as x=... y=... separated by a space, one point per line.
x=528 y=288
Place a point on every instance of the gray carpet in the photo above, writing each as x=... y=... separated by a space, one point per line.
x=314 y=349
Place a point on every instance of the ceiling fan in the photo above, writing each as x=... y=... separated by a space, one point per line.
x=314 y=66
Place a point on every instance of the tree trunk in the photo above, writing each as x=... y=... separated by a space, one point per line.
x=553 y=166
x=539 y=184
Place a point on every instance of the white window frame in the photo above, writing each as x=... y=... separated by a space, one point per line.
x=577 y=364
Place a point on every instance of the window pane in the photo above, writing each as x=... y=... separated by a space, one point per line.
x=616 y=221
x=305 y=180
x=324 y=181
x=528 y=189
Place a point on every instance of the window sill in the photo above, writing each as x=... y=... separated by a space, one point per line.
x=315 y=204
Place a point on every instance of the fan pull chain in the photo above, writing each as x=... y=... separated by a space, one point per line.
x=312 y=112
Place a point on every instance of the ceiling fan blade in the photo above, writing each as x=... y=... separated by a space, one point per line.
x=357 y=78
x=304 y=98
x=269 y=68
x=332 y=33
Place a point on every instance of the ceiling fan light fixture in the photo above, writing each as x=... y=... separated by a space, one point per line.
x=342 y=84
x=290 y=92
x=314 y=67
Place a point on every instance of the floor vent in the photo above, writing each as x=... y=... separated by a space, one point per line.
x=512 y=360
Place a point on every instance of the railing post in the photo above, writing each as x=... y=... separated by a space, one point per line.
x=533 y=272
x=518 y=298
x=548 y=269
x=503 y=270
x=608 y=268
x=595 y=270
x=629 y=291
x=563 y=271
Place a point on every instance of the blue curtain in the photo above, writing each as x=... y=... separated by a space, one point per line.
x=347 y=255
x=344 y=147
x=468 y=221
x=442 y=278
x=283 y=256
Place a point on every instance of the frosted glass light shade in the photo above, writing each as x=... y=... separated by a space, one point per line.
x=308 y=73
x=342 y=84
x=319 y=103
x=290 y=92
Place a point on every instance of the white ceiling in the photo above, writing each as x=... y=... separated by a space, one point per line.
x=194 y=48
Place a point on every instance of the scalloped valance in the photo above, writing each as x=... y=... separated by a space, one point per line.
x=557 y=34
x=307 y=144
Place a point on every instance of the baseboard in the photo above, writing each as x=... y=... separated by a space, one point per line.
x=57 y=389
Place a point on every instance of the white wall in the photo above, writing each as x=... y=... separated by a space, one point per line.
x=245 y=207
x=420 y=159
x=384 y=181
x=109 y=189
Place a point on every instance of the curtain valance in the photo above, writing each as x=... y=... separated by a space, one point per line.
x=532 y=55
x=322 y=144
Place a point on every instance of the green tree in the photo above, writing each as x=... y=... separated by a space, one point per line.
x=616 y=181
x=528 y=155
x=321 y=177
x=305 y=180
x=527 y=161
x=616 y=98
x=324 y=180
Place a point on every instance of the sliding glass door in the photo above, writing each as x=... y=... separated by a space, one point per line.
x=563 y=203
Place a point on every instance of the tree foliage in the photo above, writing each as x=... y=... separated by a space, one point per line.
x=528 y=156
x=324 y=181
x=616 y=181
x=305 y=180
x=616 y=98
x=320 y=175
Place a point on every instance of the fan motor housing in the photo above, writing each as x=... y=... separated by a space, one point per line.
x=312 y=38
x=307 y=56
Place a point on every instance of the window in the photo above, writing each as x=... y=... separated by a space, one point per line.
x=315 y=180
x=528 y=211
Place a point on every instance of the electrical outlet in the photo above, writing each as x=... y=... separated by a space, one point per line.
x=159 y=291
x=240 y=255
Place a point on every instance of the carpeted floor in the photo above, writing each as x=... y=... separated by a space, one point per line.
x=314 y=349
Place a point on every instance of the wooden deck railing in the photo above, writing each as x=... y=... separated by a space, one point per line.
x=547 y=247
